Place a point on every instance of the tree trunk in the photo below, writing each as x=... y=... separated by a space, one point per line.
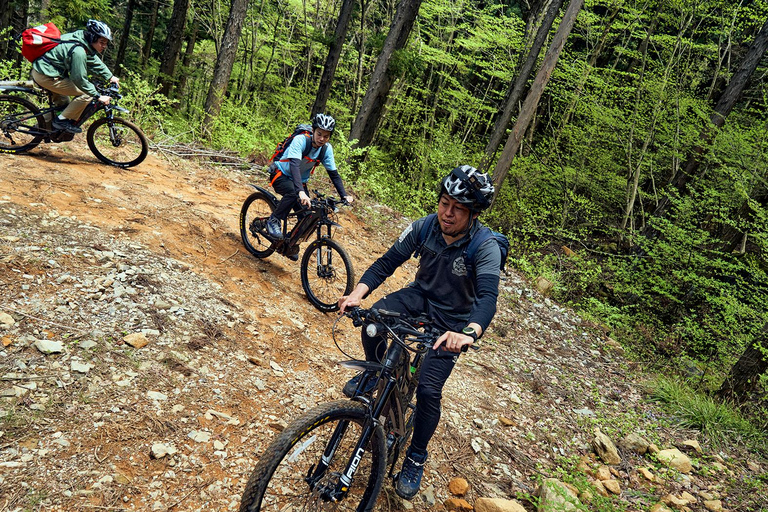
x=334 y=54
x=532 y=99
x=124 y=37
x=173 y=45
x=147 y=50
x=744 y=378
x=372 y=106
x=360 y=55
x=274 y=43
x=224 y=62
x=188 y=52
x=14 y=14
x=515 y=92
x=724 y=106
x=6 y=8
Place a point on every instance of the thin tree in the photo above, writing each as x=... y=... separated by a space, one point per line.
x=534 y=94
x=224 y=62
x=515 y=91
x=6 y=9
x=372 y=106
x=334 y=54
x=124 y=37
x=725 y=104
x=187 y=58
x=172 y=45
x=149 y=36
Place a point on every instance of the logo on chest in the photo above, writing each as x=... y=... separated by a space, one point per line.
x=459 y=268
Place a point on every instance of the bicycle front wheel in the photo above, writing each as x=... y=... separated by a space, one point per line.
x=301 y=468
x=253 y=217
x=20 y=125
x=117 y=142
x=326 y=274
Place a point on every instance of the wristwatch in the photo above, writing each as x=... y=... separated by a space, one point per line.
x=470 y=331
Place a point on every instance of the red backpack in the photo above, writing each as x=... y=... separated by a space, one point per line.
x=36 y=41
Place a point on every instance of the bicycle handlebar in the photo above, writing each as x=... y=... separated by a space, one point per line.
x=112 y=90
x=421 y=328
x=321 y=201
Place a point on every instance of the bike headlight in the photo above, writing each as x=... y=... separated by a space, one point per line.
x=371 y=330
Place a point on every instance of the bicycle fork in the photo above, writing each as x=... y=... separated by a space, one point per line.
x=339 y=488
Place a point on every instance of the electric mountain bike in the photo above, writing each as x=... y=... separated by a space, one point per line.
x=23 y=125
x=326 y=268
x=336 y=455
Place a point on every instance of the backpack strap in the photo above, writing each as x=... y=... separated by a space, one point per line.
x=429 y=222
x=482 y=236
x=320 y=156
x=73 y=47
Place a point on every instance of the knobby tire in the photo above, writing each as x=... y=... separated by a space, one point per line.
x=123 y=144
x=326 y=274
x=12 y=140
x=278 y=481
x=257 y=206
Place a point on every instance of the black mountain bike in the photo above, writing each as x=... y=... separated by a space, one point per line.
x=326 y=268
x=23 y=125
x=335 y=456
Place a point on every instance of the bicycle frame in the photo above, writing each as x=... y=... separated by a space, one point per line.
x=314 y=219
x=391 y=402
x=41 y=94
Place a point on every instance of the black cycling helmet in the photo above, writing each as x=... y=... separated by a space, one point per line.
x=469 y=187
x=95 y=29
x=324 y=122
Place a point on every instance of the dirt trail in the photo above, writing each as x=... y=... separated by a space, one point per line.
x=90 y=254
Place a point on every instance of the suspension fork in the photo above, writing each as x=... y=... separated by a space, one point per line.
x=345 y=480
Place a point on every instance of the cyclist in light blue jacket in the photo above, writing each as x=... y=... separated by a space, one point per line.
x=292 y=172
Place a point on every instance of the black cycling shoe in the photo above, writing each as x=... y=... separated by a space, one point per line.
x=65 y=125
x=351 y=386
x=408 y=480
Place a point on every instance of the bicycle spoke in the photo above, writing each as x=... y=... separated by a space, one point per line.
x=20 y=124
x=309 y=471
x=326 y=274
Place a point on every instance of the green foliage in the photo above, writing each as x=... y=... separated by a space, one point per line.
x=70 y=15
x=687 y=287
x=147 y=107
x=719 y=422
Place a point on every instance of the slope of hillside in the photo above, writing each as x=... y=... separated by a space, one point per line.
x=132 y=317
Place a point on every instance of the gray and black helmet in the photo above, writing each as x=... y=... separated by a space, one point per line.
x=324 y=122
x=469 y=187
x=95 y=29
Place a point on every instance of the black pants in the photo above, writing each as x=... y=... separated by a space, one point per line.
x=290 y=200
x=435 y=368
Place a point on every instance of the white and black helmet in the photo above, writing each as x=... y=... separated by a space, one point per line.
x=324 y=122
x=95 y=29
x=469 y=187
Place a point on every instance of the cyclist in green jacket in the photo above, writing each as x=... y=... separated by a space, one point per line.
x=64 y=71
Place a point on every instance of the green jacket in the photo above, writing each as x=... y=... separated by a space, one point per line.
x=74 y=61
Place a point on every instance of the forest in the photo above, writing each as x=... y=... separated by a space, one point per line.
x=627 y=139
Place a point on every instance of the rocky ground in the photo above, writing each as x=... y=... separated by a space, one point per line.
x=147 y=359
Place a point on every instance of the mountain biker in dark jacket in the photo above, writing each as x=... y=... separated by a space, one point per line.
x=293 y=170
x=64 y=71
x=461 y=302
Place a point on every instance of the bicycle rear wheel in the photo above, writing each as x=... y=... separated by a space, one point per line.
x=253 y=216
x=20 y=124
x=326 y=274
x=281 y=478
x=117 y=142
